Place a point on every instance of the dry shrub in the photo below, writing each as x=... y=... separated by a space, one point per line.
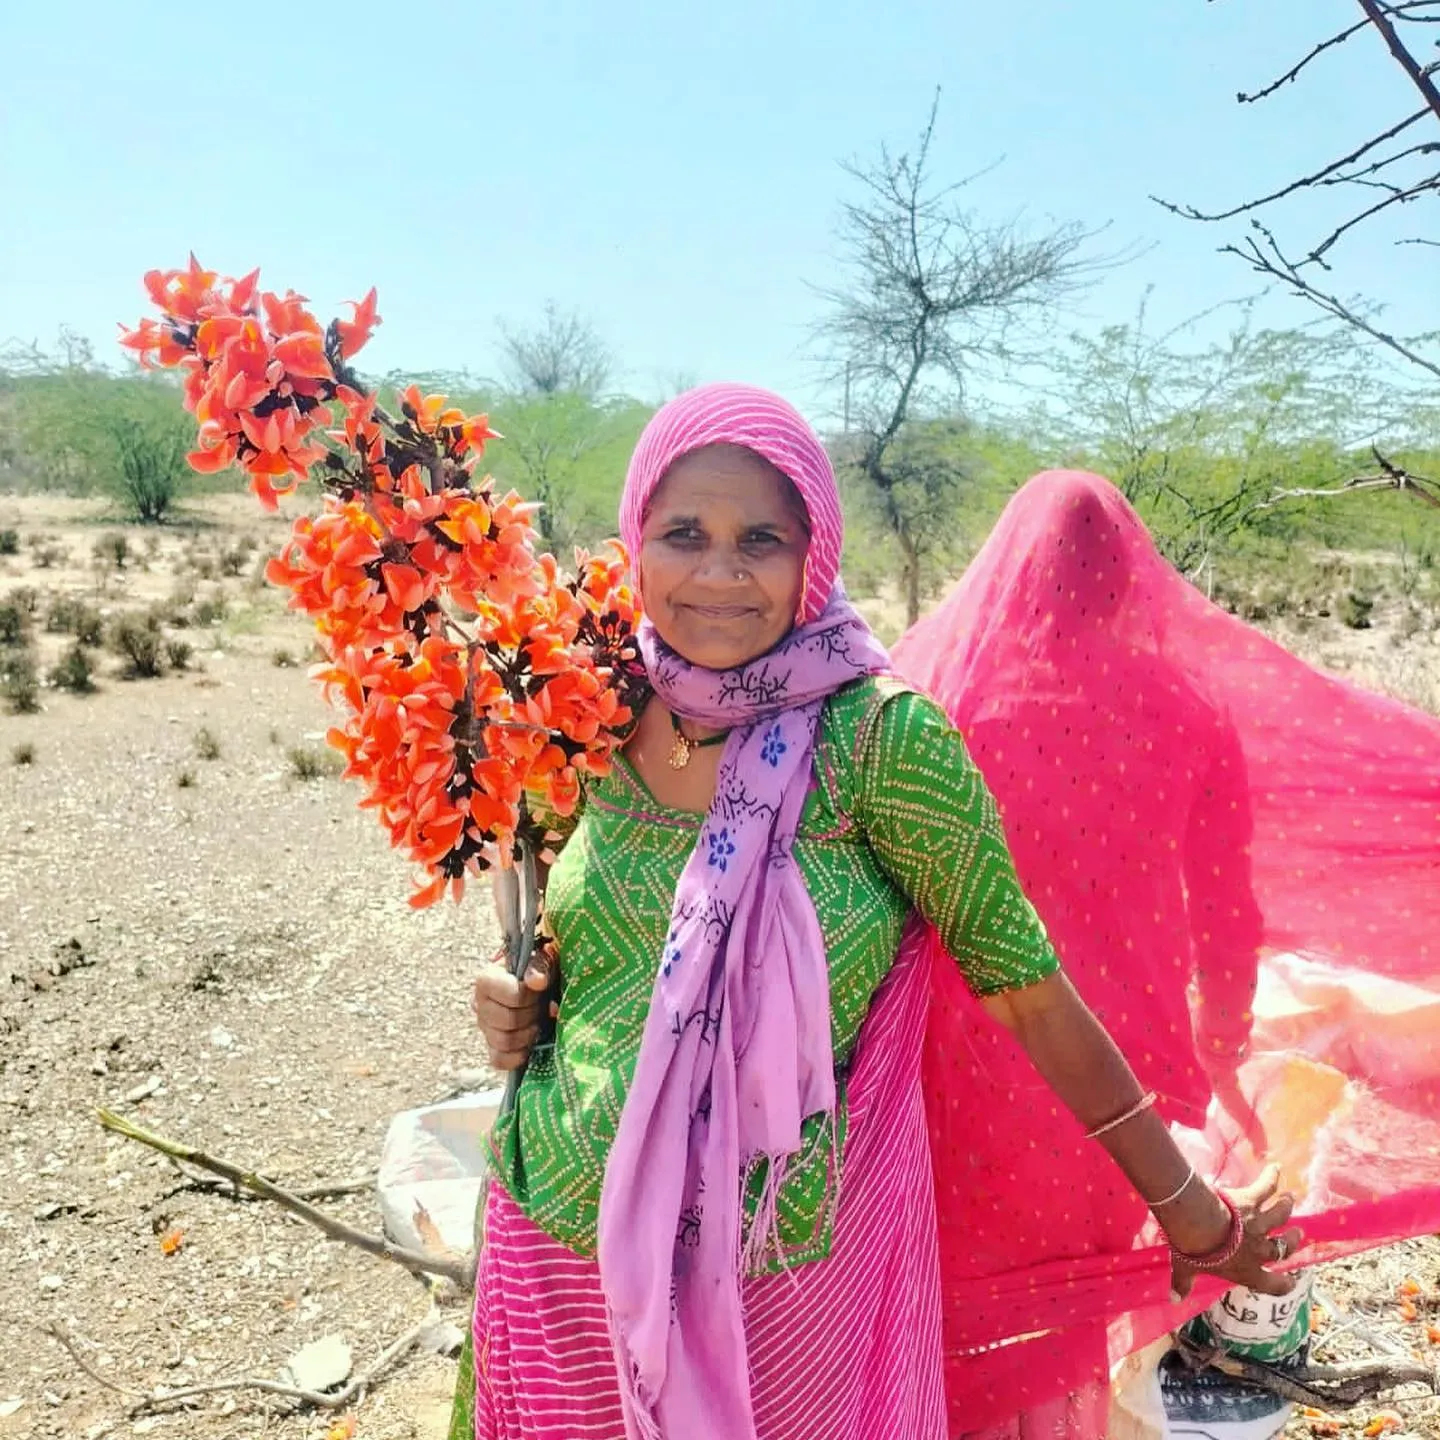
x=19 y=680
x=137 y=640
x=74 y=671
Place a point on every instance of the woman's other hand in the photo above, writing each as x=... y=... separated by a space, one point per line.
x=509 y=1011
x=1267 y=1238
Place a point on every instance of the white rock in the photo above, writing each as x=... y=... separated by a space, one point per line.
x=321 y=1365
x=221 y=1038
x=51 y=1282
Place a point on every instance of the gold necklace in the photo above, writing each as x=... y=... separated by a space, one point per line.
x=683 y=744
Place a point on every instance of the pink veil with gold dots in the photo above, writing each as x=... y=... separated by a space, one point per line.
x=1238 y=859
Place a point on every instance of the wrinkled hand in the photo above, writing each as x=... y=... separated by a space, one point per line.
x=508 y=1011
x=1269 y=1239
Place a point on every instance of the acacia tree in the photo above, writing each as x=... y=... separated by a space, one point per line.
x=1386 y=172
x=933 y=297
x=79 y=427
x=1205 y=439
x=553 y=412
x=563 y=355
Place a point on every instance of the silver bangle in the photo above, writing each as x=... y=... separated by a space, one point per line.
x=1174 y=1194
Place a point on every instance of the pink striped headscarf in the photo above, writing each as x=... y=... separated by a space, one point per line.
x=729 y=414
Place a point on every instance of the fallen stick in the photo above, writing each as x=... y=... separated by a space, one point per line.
x=319 y=1399
x=460 y=1270
x=143 y=1400
x=1325 y=1387
x=214 y=1185
x=57 y=1332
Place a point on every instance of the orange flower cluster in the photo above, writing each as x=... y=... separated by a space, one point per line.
x=480 y=687
x=258 y=370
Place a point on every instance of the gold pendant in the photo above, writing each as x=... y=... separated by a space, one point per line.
x=679 y=752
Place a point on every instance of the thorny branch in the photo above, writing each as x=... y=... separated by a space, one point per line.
x=214 y=1185
x=1380 y=157
x=1270 y=260
x=1391 y=477
x=1327 y=174
x=458 y=1269
x=142 y=1400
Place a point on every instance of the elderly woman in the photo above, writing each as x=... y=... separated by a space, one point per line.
x=712 y=1210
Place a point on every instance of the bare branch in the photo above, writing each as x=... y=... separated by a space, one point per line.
x=207 y=1185
x=460 y=1270
x=1419 y=76
x=1189 y=212
x=1363 y=166
x=70 y=1344
x=1391 y=477
x=1396 y=197
x=1278 y=267
x=1293 y=72
x=1358 y=177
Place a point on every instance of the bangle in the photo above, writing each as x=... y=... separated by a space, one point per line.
x=1138 y=1108
x=1228 y=1249
x=1174 y=1194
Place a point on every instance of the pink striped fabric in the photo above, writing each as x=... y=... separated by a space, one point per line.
x=728 y=414
x=842 y=1349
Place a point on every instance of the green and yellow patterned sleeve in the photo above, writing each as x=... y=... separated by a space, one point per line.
x=931 y=821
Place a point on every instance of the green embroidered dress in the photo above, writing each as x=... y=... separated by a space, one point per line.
x=899 y=819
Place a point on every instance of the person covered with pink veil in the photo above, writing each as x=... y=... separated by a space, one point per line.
x=712 y=1209
x=1140 y=868
x=1208 y=828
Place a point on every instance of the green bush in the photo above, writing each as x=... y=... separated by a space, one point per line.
x=1354 y=610
x=179 y=653
x=19 y=680
x=112 y=550
x=137 y=640
x=211 y=610
x=307 y=762
x=46 y=553
x=207 y=744
x=9 y=542
x=23 y=753
x=14 y=623
x=70 y=615
x=74 y=671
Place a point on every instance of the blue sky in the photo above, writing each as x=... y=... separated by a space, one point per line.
x=671 y=171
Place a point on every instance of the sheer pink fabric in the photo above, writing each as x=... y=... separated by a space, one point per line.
x=1238 y=859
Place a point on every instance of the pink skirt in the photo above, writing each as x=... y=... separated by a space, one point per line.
x=846 y=1348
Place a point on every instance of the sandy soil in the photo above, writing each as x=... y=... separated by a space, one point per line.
x=222 y=951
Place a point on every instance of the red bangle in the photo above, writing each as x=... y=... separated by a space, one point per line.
x=1228 y=1249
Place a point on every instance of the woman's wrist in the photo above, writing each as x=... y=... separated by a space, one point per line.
x=1198 y=1221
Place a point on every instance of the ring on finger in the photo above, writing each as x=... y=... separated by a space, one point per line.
x=1282 y=1248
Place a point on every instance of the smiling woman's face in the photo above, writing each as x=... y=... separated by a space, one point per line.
x=722 y=556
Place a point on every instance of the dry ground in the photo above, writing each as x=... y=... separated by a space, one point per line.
x=238 y=948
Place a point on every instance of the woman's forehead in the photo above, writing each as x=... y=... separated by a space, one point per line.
x=729 y=474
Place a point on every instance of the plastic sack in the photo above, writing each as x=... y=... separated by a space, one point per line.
x=432 y=1169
